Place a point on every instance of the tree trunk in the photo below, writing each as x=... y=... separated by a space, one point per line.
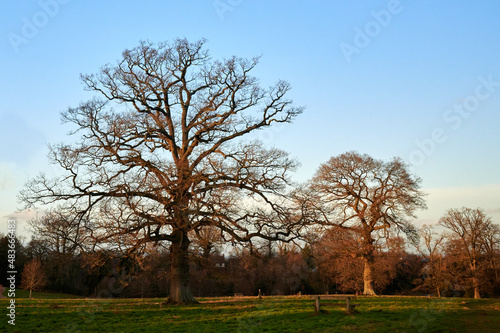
x=477 y=295
x=475 y=284
x=368 y=276
x=30 y=293
x=180 y=292
x=368 y=257
x=438 y=292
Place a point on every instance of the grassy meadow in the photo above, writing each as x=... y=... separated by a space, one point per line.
x=248 y=314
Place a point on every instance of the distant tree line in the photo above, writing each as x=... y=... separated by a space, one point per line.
x=451 y=262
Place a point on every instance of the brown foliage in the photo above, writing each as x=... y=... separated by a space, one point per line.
x=366 y=196
x=33 y=276
x=470 y=246
x=340 y=263
x=431 y=248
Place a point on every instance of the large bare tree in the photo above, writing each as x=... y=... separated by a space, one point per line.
x=368 y=196
x=470 y=228
x=160 y=154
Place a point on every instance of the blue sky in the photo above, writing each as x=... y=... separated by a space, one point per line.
x=415 y=79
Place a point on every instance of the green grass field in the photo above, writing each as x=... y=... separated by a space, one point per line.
x=248 y=314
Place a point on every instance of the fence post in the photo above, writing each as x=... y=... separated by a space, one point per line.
x=348 y=304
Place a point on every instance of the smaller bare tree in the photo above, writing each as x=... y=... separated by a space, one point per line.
x=33 y=276
x=468 y=228
x=431 y=248
x=366 y=196
x=491 y=248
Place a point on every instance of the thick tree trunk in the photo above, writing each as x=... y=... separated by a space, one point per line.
x=368 y=257
x=180 y=292
x=438 y=292
x=475 y=284
x=477 y=295
x=368 y=276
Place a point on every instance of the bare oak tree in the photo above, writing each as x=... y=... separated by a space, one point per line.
x=469 y=228
x=367 y=196
x=33 y=276
x=161 y=156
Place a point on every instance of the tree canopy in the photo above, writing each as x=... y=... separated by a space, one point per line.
x=357 y=192
x=160 y=155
